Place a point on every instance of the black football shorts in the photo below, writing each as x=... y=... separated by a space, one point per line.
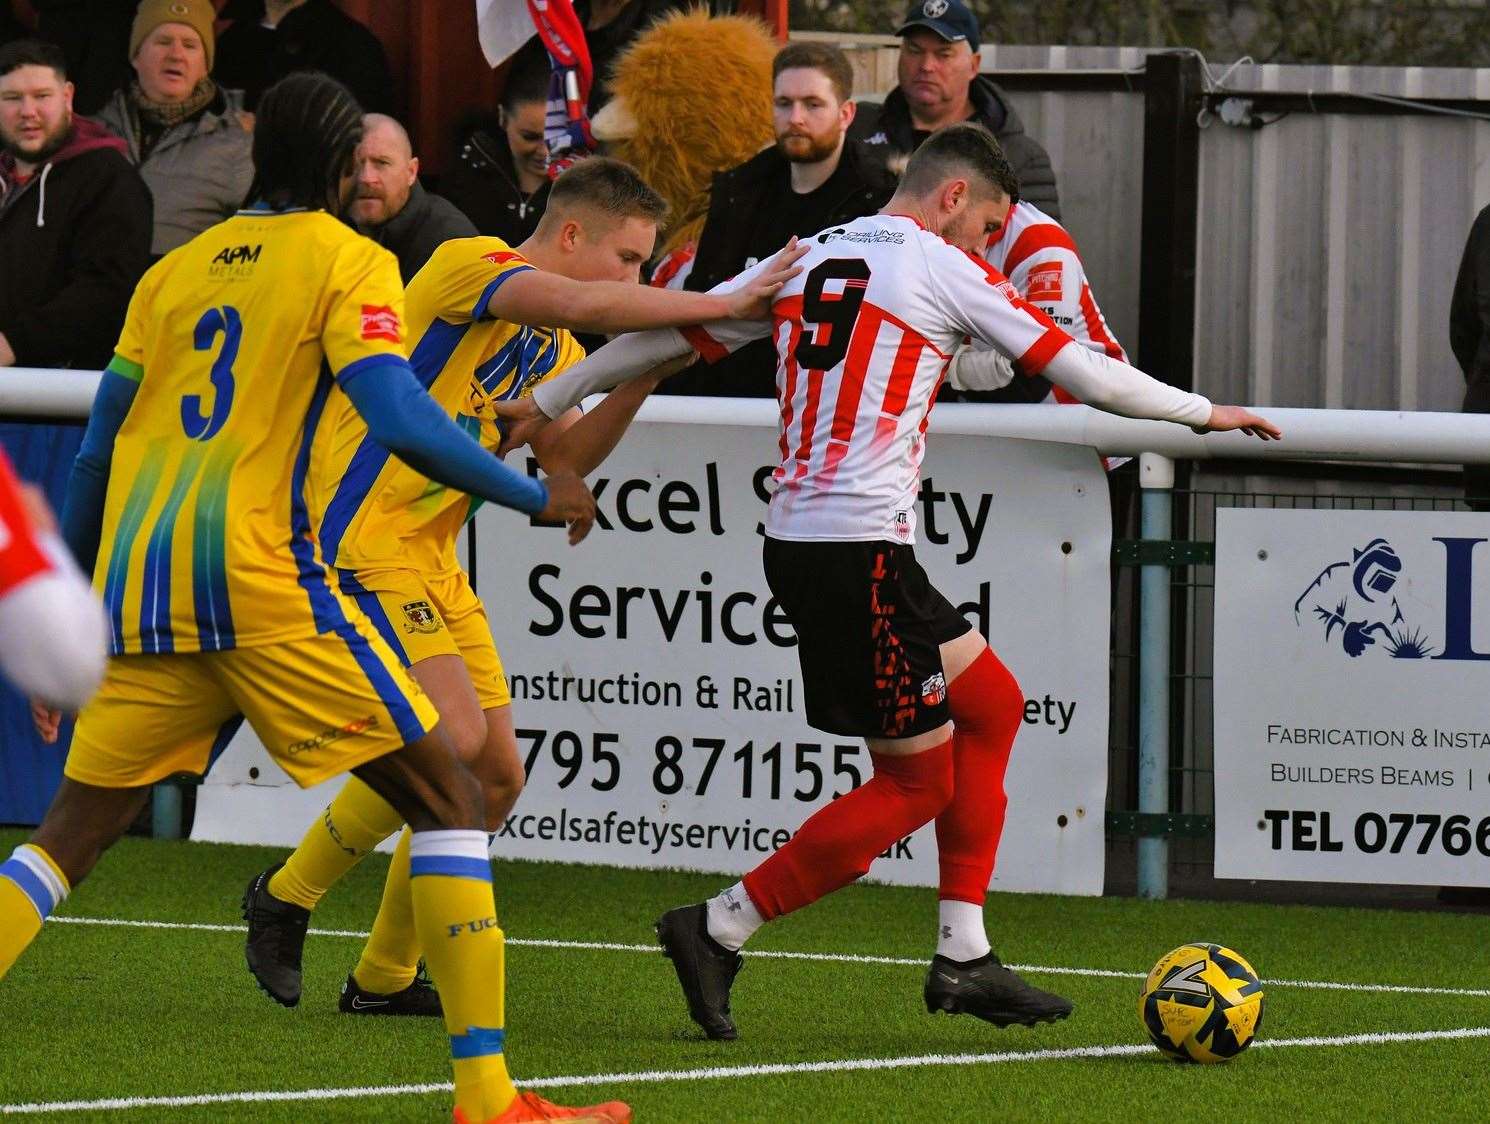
x=869 y=626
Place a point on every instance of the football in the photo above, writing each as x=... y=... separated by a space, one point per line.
x=1201 y=1003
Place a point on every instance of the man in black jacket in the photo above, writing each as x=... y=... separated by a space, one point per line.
x=75 y=219
x=812 y=178
x=1469 y=336
x=939 y=86
x=391 y=207
x=272 y=38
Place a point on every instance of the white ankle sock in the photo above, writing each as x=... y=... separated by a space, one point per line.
x=733 y=918
x=960 y=935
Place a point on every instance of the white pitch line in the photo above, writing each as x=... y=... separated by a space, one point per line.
x=831 y=957
x=711 y=1073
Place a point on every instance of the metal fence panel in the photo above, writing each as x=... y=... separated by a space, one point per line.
x=1328 y=243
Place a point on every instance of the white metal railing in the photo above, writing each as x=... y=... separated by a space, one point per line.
x=1343 y=435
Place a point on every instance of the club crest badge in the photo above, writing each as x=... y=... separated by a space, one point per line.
x=419 y=616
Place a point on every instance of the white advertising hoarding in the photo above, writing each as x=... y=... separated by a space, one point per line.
x=1352 y=662
x=656 y=690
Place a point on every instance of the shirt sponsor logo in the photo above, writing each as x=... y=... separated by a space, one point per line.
x=1006 y=288
x=234 y=261
x=380 y=322
x=869 y=237
x=335 y=734
x=1045 y=282
x=420 y=617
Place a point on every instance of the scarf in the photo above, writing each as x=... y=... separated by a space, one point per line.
x=156 y=117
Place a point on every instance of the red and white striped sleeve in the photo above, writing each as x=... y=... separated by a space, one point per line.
x=985 y=305
x=719 y=338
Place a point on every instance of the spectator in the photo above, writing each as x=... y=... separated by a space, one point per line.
x=272 y=38
x=500 y=180
x=940 y=85
x=1469 y=336
x=812 y=178
x=610 y=26
x=74 y=219
x=189 y=138
x=94 y=37
x=391 y=207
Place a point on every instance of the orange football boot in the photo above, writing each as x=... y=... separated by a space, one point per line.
x=529 y=1106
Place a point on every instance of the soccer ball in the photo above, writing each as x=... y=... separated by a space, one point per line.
x=1201 y=1003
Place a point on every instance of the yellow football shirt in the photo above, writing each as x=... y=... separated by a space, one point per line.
x=379 y=512
x=207 y=543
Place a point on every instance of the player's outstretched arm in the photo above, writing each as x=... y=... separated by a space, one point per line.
x=407 y=421
x=581 y=447
x=619 y=361
x=547 y=300
x=1118 y=388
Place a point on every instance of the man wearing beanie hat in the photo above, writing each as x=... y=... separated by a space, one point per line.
x=939 y=86
x=189 y=138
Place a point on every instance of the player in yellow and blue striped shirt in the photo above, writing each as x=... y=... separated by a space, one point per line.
x=191 y=491
x=392 y=533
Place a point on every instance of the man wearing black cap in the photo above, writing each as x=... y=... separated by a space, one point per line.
x=940 y=85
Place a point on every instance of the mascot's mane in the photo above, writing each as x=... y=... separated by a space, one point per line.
x=699 y=90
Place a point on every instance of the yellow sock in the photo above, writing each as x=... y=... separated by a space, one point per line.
x=450 y=876
x=352 y=825
x=31 y=886
x=391 y=955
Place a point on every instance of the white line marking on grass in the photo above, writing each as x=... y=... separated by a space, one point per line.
x=659 y=1076
x=194 y=926
x=830 y=957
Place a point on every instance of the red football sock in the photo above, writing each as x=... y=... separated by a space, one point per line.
x=840 y=840
x=987 y=707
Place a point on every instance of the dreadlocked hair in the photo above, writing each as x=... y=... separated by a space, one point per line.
x=306 y=133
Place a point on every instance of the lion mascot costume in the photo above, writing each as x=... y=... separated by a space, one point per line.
x=692 y=97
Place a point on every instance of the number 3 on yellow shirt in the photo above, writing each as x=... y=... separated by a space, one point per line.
x=227 y=321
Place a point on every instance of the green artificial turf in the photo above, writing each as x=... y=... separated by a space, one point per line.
x=95 y=1011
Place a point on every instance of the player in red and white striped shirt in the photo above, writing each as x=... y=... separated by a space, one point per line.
x=53 y=634
x=864 y=336
x=1041 y=261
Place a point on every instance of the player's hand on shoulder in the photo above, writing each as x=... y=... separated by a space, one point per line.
x=1225 y=418
x=519 y=420
x=753 y=301
x=47 y=720
x=569 y=499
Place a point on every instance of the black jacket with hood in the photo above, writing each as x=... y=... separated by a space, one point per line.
x=888 y=131
x=483 y=184
x=74 y=240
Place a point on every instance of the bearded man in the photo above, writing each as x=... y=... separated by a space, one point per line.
x=812 y=178
x=75 y=219
x=391 y=207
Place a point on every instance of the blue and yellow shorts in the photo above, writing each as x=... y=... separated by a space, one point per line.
x=321 y=706
x=423 y=615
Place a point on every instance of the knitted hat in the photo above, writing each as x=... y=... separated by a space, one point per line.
x=199 y=15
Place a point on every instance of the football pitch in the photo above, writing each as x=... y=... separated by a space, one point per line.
x=135 y=1005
